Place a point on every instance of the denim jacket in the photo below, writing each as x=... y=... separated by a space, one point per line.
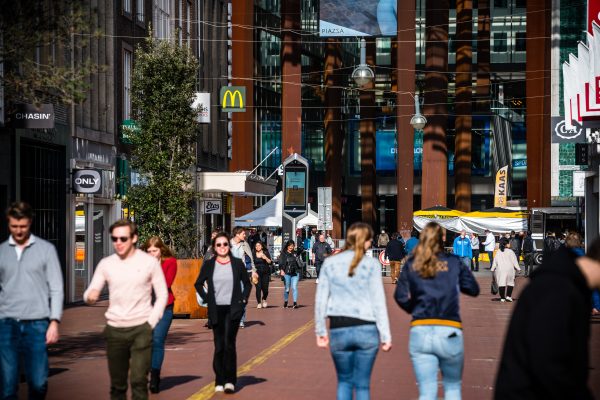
x=361 y=296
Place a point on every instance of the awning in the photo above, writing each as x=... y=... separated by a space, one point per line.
x=240 y=183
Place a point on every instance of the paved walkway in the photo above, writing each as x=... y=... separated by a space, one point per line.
x=277 y=355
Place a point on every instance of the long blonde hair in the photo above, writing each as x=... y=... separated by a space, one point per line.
x=358 y=234
x=431 y=243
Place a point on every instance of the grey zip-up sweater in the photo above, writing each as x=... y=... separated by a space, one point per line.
x=32 y=287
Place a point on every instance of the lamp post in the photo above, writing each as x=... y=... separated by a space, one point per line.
x=418 y=121
x=363 y=74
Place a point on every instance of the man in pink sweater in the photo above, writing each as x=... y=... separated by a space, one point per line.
x=131 y=275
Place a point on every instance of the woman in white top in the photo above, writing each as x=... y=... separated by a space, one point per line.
x=504 y=266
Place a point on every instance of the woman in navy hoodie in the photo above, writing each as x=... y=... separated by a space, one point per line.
x=427 y=289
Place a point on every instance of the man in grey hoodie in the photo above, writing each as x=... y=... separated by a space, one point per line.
x=31 y=303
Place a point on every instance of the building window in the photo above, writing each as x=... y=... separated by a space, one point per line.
x=500 y=3
x=140 y=10
x=180 y=22
x=162 y=19
x=188 y=24
x=127 y=6
x=500 y=45
x=521 y=41
x=127 y=59
x=521 y=4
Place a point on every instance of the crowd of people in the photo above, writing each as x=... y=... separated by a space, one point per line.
x=544 y=355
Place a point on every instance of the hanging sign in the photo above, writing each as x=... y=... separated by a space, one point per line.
x=87 y=181
x=213 y=207
x=501 y=187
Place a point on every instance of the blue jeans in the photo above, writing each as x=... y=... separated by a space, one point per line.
x=434 y=347
x=26 y=339
x=466 y=261
x=354 y=350
x=159 y=335
x=596 y=299
x=293 y=281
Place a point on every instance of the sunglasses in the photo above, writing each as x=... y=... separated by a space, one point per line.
x=122 y=239
x=223 y=244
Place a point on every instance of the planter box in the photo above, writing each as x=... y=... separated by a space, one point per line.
x=186 y=305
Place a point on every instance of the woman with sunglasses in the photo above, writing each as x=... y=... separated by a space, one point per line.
x=224 y=275
x=289 y=269
x=156 y=248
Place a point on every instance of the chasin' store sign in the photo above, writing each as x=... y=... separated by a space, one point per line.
x=87 y=181
x=30 y=116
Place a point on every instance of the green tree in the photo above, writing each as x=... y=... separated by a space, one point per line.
x=38 y=40
x=163 y=87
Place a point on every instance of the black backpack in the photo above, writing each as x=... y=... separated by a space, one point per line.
x=528 y=245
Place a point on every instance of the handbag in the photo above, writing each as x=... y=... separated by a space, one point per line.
x=494 y=286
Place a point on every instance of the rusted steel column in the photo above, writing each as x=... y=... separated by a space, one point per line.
x=242 y=151
x=482 y=89
x=334 y=135
x=463 y=109
x=537 y=89
x=435 y=153
x=291 y=89
x=368 y=184
x=406 y=60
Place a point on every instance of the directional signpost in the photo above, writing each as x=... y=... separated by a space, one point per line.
x=295 y=194
x=325 y=222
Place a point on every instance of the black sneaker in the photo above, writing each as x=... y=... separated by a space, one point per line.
x=295 y=305
x=285 y=304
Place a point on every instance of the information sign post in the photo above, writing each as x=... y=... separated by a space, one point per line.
x=295 y=194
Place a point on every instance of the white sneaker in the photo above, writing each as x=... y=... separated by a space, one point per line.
x=219 y=388
x=229 y=388
x=259 y=305
x=317 y=280
x=502 y=300
x=264 y=304
x=241 y=326
x=509 y=299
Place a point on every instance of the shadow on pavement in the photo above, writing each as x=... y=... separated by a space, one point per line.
x=168 y=382
x=248 y=381
x=251 y=323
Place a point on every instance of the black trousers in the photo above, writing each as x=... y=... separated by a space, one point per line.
x=318 y=265
x=528 y=263
x=225 y=357
x=475 y=261
x=503 y=289
x=262 y=287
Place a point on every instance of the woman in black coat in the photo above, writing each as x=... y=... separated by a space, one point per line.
x=289 y=270
x=226 y=300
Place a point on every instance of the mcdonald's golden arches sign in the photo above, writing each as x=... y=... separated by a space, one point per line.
x=233 y=98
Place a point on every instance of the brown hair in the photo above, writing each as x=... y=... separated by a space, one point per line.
x=425 y=254
x=358 y=234
x=221 y=235
x=19 y=210
x=157 y=242
x=125 y=222
x=573 y=240
x=237 y=230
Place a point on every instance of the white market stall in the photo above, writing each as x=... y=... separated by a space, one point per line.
x=446 y=217
x=497 y=220
x=271 y=214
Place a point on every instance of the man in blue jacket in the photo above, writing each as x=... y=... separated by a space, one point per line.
x=462 y=248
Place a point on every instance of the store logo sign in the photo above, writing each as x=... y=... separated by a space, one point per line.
x=233 y=98
x=30 y=116
x=87 y=181
x=213 y=207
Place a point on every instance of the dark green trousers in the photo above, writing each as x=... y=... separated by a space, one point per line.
x=129 y=352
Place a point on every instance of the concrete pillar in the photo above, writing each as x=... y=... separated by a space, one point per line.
x=291 y=87
x=404 y=85
x=435 y=152
x=368 y=184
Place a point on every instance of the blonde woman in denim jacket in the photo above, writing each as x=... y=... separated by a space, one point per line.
x=350 y=293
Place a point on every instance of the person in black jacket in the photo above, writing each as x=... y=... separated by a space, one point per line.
x=545 y=353
x=428 y=289
x=395 y=252
x=289 y=269
x=226 y=300
x=262 y=261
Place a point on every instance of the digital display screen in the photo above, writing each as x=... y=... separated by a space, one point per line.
x=351 y=18
x=295 y=188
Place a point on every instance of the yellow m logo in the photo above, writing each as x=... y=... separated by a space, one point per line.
x=232 y=96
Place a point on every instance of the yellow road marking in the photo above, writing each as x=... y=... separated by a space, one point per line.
x=208 y=391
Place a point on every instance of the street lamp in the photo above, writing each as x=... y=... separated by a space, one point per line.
x=363 y=74
x=418 y=121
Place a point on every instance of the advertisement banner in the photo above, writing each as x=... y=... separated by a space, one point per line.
x=501 y=187
x=351 y=18
x=201 y=105
x=30 y=116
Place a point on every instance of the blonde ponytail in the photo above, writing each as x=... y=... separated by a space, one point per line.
x=426 y=262
x=358 y=234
